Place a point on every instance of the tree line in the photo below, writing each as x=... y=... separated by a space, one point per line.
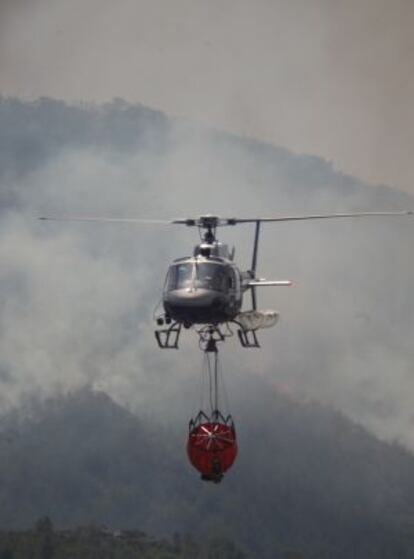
x=44 y=541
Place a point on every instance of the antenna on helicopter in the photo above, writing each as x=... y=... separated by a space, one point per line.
x=254 y=263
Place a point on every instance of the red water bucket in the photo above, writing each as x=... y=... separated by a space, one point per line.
x=212 y=448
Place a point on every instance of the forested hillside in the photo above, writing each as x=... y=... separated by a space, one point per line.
x=320 y=485
x=100 y=542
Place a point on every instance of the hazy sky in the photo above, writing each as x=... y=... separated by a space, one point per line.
x=328 y=77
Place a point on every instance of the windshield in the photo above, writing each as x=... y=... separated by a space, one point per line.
x=180 y=276
x=211 y=276
x=207 y=275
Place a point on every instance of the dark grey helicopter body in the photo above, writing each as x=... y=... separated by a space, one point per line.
x=206 y=288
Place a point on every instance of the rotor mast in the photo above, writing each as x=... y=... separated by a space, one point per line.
x=209 y=233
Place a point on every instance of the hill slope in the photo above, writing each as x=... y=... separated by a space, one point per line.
x=331 y=490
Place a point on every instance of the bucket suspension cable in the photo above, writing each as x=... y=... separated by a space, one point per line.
x=212 y=363
x=212 y=445
x=213 y=392
x=206 y=404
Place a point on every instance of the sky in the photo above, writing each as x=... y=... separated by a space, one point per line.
x=333 y=78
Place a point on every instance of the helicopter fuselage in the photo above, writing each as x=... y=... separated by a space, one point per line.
x=203 y=289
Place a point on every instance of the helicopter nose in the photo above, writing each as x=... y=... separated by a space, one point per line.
x=193 y=298
x=194 y=305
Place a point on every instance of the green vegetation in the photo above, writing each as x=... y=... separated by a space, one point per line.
x=98 y=542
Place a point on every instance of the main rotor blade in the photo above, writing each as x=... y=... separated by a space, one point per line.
x=105 y=219
x=214 y=221
x=321 y=216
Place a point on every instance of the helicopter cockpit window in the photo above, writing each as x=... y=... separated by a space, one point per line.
x=180 y=276
x=206 y=275
x=211 y=276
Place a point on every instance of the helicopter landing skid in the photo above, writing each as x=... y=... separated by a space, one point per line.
x=248 y=338
x=167 y=338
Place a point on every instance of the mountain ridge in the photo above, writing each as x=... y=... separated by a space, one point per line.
x=39 y=129
x=82 y=459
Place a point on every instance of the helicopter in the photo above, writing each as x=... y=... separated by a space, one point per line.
x=205 y=291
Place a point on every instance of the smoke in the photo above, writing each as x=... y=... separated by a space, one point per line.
x=77 y=299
